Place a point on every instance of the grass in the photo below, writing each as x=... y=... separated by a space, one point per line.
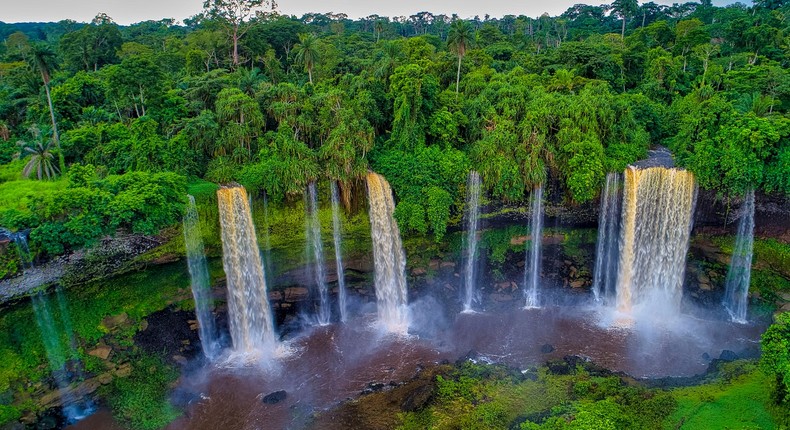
x=18 y=194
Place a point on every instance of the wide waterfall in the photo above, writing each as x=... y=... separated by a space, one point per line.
x=201 y=288
x=605 y=272
x=470 y=244
x=249 y=315
x=388 y=257
x=337 y=230
x=658 y=204
x=736 y=297
x=315 y=253
x=532 y=266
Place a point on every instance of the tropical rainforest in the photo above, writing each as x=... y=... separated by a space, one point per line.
x=107 y=128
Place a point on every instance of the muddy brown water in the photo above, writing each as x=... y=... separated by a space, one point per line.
x=328 y=365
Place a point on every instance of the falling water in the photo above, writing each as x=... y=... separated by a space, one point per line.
x=388 y=257
x=337 y=231
x=736 y=298
x=249 y=315
x=658 y=204
x=201 y=289
x=532 y=267
x=472 y=220
x=59 y=353
x=315 y=252
x=605 y=276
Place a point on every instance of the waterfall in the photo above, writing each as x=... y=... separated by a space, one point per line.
x=201 y=288
x=315 y=252
x=736 y=297
x=532 y=266
x=388 y=257
x=605 y=272
x=472 y=221
x=658 y=204
x=249 y=315
x=336 y=232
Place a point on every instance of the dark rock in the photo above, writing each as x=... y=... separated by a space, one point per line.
x=418 y=398
x=275 y=397
x=546 y=348
x=706 y=356
x=374 y=387
x=728 y=355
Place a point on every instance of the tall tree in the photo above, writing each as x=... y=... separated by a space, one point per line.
x=306 y=52
x=42 y=58
x=624 y=9
x=235 y=16
x=459 y=39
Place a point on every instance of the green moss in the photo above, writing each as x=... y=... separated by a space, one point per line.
x=140 y=400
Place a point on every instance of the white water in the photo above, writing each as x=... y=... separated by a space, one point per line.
x=736 y=297
x=470 y=244
x=315 y=254
x=532 y=266
x=337 y=231
x=249 y=314
x=201 y=288
x=388 y=257
x=605 y=272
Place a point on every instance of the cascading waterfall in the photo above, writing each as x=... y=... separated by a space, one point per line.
x=736 y=297
x=388 y=257
x=605 y=272
x=658 y=204
x=249 y=314
x=58 y=352
x=532 y=266
x=201 y=289
x=472 y=221
x=337 y=235
x=315 y=252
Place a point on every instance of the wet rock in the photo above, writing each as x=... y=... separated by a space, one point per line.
x=293 y=294
x=518 y=240
x=124 y=370
x=577 y=283
x=374 y=387
x=706 y=356
x=447 y=264
x=180 y=359
x=114 y=321
x=728 y=355
x=418 y=271
x=499 y=297
x=144 y=325
x=275 y=295
x=434 y=264
x=102 y=351
x=275 y=397
x=546 y=348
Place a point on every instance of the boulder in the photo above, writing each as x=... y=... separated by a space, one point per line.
x=114 y=321
x=101 y=351
x=546 y=348
x=728 y=355
x=418 y=398
x=275 y=397
x=577 y=283
x=418 y=271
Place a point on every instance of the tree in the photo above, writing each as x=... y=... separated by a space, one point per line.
x=624 y=9
x=235 y=16
x=459 y=39
x=41 y=158
x=775 y=359
x=43 y=59
x=306 y=52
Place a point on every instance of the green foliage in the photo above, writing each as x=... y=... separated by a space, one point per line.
x=140 y=400
x=775 y=359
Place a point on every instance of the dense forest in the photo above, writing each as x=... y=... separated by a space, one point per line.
x=105 y=126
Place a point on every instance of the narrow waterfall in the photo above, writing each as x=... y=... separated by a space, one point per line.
x=736 y=297
x=532 y=266
x=658 y=205
x=249 y=314
x=388 y=257
x=472 y=221
x=337 y=230
x=315 y=253
x=605 y=272
x=201 y=288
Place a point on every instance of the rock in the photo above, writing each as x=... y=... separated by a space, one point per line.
x=447 y=264
x=180 y=359
x=706 y=356
x=275 y=295
x=418 y=398
x=374 y=387
x=104 y=378
x=702 y=278
x=293 y=294
x=728 y=355
x=418 y=271
x=499 y=297
x=193 y=325
x=705 y=287
x=144 y=325
x=518 y=240
x=124 y=370
x=546 y=348
x=448 y=286
x=433 y=264
x=275 y=397
x=577 y=283
x=114 y=321
x=101 y=351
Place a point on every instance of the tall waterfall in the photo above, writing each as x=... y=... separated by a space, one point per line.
x=532 y=266
x=315 y=253
x=337 y=230
x=658 y=204
x=472 y=221
x=201 y=289
x=249 y=315
x=736 y=297
x=388 y=256
x=605 y=272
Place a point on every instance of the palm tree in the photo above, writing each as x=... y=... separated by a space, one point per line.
x=41 y=157
x=459 y=39
x=306 y=52
x=42 y=58
x=378 y=27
